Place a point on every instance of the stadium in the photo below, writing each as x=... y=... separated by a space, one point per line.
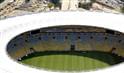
x=68 y=48
x=64 y=44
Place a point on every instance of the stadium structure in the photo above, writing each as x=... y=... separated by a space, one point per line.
x=68 y=48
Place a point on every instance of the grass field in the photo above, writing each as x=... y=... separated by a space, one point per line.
x=71 y=62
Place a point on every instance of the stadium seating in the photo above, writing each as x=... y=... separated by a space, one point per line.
x=62 y=39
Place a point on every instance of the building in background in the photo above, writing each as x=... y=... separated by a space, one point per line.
x=69 y=4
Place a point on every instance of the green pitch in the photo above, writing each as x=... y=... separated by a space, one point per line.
x=72 y=62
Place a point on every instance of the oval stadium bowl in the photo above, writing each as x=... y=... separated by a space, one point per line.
x=58 y=42
x=71 y=47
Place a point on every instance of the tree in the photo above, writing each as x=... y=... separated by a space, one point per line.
x=1 y=1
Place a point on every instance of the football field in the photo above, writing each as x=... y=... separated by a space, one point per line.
x=71 y=62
